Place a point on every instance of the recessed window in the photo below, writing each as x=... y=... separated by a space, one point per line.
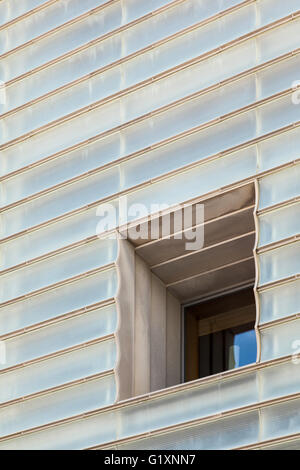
x=219 y=334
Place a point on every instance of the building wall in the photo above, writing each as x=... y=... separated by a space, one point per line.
x=165 y=102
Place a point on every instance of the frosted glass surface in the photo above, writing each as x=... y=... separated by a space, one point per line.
x=281 y=420
x=274 y=152
x=226 y=64
x=129 y=41
x=280 y=186
x=268 y=82
x=279 y=224
x=57 y=269
x=43 y=21
x=57 y=371
x=223 y=434
x=293 y=444
x=230 y=393
x=280 y=302
x=280 y=263
x=64 y=299
x=10 y=9
x=55 y=337
x=281 y=340
x=49 y=238
x=281 y=380
x=198 y=180
x=57 y=405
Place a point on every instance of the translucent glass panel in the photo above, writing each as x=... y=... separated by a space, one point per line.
x=282 y=185
x=150 y=63
x=56 y=337
x=271 y=152
x=174 y=408
x=10 y=9
x=279 y=380
x=269 y=81
x=223 y=434
x=49 y=238
x=279 y=302
x=141 y=35
x=57 y=269
x=219 y=435
x=280 y=420
x=58 y=405
x=53 y=303
x=271 y=10
x=279 y=224
x=293 y=444
x=241 y=128
x=224 y=171
x=44 y=20
x=229 y=433
x=280 y=263
x=280 y=340
x=61 y=369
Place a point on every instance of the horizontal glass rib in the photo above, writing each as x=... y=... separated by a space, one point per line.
x=56 y=337
x=146 y=64
x=223 y=100
x=281 y=340
x=176 y=189
x=146 y=99
x=119 y=45
x=229 y=433
x=231 y=132
x=282 y=185
x=174 y=408
x=59 y=301
x=11 y=9
x=279 y=302
x=57 y=269
x=57 y=405
x=279 y=224
x=43 y=21
x=58 y=370
x=279 y=263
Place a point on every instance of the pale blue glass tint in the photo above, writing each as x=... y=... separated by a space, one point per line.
x=10 y=9
x=270 y=81
x=129 y=41
x=279 y=380
x=279 y=224
x=50 y=339
x=279 y=302
x=280 y=420
x=222 y=434
x=276 y=151
x=138 y=69
x=57 y=235
x=281 y=340
x=198 y=180
x=43 y=21
x=279 y=263
x=57 y=269
x=280 y=186
x=136 y=137
x=64 y=299
x=150 y=63
x=58 y=405
x=70 y=366
x=245 y=349
x=177 y=407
